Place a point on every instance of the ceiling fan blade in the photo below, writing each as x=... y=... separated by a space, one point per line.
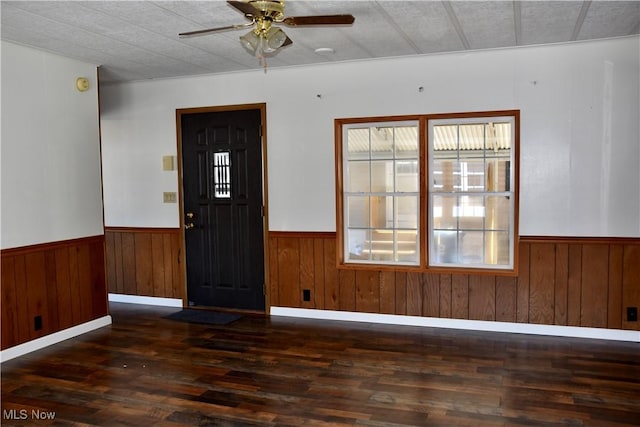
x=295 y=21
x=214 y=30
x=245 y=8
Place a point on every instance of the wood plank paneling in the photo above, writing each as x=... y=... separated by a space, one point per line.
x=614 y=308
x=401 y=293
x=561 y=284
x=368 y=291
x=414 y=294
x=51 y=287
x=574 y=285
x=62 y=283
x=347 y=280
x=445 y=295
x=119 y=267
x=307 y=271
x=387 y=292
x=542 y=260
x=145 y=262
x=128 y=253
x=99 y=304
x=460 y=296
x=289 y=271
x=179 y=285
x=110 y=256
x=331 y=289
x=631 y=283
x=25 y=323
x=63 y=279
x=36 y=293
x=84 y=276
x=74 y=286
x=317 y=298
x=173 y=284
x=482 y=297
x=522 y=290
x=563 y=281
x=9 y=313
x=595 y=277
x=506 y=299
x=274 y=281
x=549 y=288
x=158 y=265
x=431 y=295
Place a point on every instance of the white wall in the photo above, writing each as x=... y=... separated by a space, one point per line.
x=50 y=149
x=579 y=139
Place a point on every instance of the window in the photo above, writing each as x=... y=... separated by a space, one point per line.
x=428 y=191
x=222 y=174
x=471 y=199
x=381 y=195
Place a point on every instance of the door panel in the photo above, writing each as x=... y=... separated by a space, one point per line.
x=222 y=180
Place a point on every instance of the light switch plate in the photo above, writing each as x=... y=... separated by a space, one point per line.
x=169 y=197
x=167 y=163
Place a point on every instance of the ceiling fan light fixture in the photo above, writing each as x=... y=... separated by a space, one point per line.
x=275 y=38
x=250 y=41
x=269 y=41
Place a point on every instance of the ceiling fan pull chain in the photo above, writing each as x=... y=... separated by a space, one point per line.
x=263 y=62
x=260 y=50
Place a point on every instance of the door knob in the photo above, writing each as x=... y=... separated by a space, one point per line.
x=189 y=215
x=189 y=225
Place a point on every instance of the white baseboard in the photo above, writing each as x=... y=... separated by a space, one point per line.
x=472 y=325
x=136 y=299
x=56 y=337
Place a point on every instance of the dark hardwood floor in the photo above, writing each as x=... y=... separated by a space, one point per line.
x=145 y=370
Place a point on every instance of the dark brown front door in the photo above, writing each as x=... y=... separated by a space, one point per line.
x=223 y=208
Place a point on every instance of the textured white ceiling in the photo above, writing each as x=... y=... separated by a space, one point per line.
x=135 y=40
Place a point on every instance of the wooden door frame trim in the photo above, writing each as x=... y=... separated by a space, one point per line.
x=262 y=107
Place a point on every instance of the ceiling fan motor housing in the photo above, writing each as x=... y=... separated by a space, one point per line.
x=271 y=9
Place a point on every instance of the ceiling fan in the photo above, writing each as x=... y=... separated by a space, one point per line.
x=266 y=38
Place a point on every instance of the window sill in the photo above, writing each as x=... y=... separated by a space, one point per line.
x=512 y=272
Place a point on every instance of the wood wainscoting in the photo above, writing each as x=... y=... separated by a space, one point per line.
x=145 y=262
x=586 y=282
x=54 y=286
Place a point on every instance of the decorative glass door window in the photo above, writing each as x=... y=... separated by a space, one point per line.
x=222 y=175
x=381 y=194
x=471 y=198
